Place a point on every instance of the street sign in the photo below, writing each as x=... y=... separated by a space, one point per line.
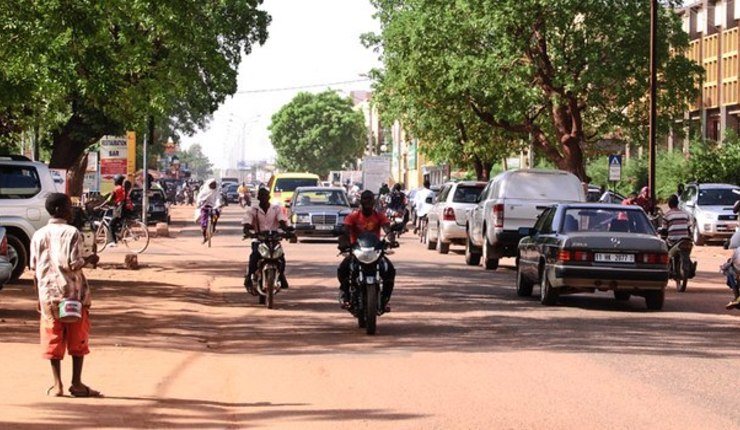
x=615 y=168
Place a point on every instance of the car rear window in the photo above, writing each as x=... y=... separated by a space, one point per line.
x=606 y=220
x=290 y=184
x=19 y=182
x=467 y=193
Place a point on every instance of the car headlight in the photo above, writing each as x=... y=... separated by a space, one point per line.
x=303 y=219
x=264 y=250
x=366 y=255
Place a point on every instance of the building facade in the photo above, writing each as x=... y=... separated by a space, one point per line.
x=712 y=26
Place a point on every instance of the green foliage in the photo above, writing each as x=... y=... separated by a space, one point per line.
x=80 y=70
x=711 y=162
x=671 y=170
x=318 y=133
x=564 y=72
x=200 y=166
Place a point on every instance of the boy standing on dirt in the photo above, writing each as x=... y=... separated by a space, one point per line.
x=56 y=259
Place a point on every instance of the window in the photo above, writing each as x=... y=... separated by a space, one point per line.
x=290 y=184
x=444 y=193
x=321 y=198
x=606 y=220
x=467 y=194
x=19 y=182
x=717 y=197
x=544 y=222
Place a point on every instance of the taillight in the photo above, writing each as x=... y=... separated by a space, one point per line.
x=653 y=258
x=448 y=214
x=565 y=255
x=498 y=215
x=4 y=246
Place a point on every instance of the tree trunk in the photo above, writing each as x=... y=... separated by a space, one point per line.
x=76 y=176
x=478 y=166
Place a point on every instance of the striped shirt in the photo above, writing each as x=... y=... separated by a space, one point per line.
x=677 y=223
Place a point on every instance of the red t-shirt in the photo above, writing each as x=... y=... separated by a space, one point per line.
x=357 y=223
x=119 y=194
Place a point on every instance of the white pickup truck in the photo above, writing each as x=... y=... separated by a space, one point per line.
x=511 y=200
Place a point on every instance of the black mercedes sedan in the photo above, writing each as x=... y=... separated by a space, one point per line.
x=586 y=247
x=159 y=207
x=319 y=211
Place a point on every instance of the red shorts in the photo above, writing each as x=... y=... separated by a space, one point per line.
x=57 y=336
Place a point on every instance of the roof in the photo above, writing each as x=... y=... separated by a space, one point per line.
x=295 y=175
x=319 y=188
x=716 y=185
x=599 y=206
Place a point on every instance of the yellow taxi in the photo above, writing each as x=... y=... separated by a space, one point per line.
x=282 y=185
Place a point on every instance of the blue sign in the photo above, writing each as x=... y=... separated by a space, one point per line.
x=615 y=168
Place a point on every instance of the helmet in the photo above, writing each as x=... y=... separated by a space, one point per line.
x=118 y=179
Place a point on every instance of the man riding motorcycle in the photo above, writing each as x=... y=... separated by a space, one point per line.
x=243 y=192
x=263 y=217
x=397 y=203
x=365 y=219
x=676 y=226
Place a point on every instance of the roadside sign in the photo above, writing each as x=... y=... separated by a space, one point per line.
x=615 y=168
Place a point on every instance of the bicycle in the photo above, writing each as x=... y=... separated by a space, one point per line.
x=132 y=232
x=211 y=223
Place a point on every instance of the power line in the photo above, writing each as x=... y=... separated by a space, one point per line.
x=327 y=84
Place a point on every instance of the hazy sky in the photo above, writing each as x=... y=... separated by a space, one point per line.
x=310 y=42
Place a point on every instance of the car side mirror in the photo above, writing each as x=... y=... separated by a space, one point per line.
x=430 y=200
x=527 y=231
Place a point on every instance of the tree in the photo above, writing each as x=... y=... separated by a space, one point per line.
x=318 y=133
x=564 y=72
x=82 y=70
x=198 y=164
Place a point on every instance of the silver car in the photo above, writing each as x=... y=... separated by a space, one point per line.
x=448 y=215
x=710 y=207
x=6 y=267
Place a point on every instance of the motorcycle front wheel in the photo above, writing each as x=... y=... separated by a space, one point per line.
x=269 y=287
x=371 y=308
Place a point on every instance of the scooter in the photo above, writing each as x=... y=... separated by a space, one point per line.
x=267 y=277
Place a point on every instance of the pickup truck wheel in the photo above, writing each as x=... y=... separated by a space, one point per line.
x=654 y=300
x=548 y=295
x=523 y=286
x=442 y=247
x=15 y=246
x=472 y=255
x=490 y=263
x=622 y=296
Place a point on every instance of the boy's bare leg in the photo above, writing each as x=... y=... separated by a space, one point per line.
x=56 y=369
x=77 y=372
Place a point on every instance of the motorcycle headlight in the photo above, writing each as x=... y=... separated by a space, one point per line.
x=303 y=219
x=278 y=252
x=366 y=255
x=264 y=250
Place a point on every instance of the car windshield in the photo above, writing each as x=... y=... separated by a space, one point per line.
x=606 y=220
x=290 y=184
x=232 y=188
x=467 y=193
x=321 y=198
x=717 y=197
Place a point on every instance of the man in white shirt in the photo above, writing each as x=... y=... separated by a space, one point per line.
x=420 y=204
x=263 y=217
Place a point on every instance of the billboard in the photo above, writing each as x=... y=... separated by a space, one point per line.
x=113 y=160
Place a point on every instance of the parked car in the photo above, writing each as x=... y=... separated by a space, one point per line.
x=6 y=266
x=576 y=248
x=449 y=214
x=611 y=197
x=710 y=207
x=232 y=196
x=511 y=200
x=24 y=185
x=159 y=209
x=319 y=211
x=282 y=185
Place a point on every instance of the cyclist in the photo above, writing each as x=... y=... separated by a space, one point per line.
x=209 y=202
x=117 y=199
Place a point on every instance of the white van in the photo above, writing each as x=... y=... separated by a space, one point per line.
x=511 y=200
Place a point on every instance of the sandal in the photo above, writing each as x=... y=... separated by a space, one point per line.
x=50 y=393
x=84 y=392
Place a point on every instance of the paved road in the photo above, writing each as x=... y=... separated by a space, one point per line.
x=179 y=344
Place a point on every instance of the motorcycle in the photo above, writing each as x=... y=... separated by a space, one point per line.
x=244 y=200
x=267 y=277
x=366 y=285
x=680 y=267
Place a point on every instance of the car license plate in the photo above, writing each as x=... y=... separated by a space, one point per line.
x=324 y=227
x=614 y=258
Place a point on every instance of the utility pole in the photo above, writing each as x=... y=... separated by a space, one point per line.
x=653 y=94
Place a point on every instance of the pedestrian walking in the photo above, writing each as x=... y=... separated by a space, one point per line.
x=64 y=295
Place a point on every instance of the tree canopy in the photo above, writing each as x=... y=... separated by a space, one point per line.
x=563 y=73
x=318 y=133
x=198 y=163
x=80 y=70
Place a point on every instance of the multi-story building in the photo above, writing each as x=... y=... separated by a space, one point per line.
x=714 y=32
